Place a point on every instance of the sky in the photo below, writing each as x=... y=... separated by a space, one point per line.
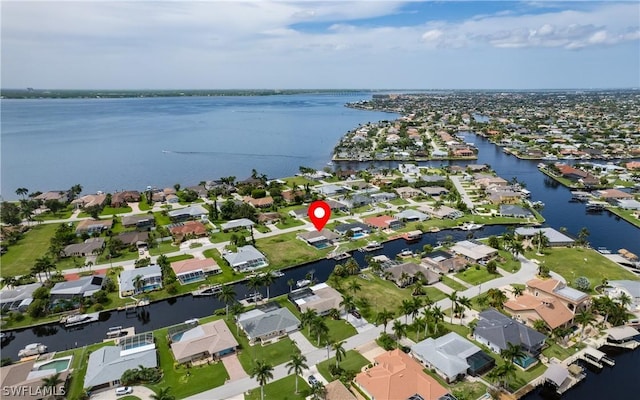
x=96 y=44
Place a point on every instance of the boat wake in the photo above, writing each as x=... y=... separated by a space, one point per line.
x=234 y=154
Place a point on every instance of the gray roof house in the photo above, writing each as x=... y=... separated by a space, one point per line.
x=556 y=238
x=191 y=212
x=17 y=298
x=319 y=239
x=452 y=356
x=413 y=271
x=264 y=326
x=107 y=364
x=246 y=257
x=151 y=278
x=145 y=221
x=411 y=215
x=237 y=223
x=355 y=227
x=514 y=210
x=83 y=287
x=83 y=249
x=329 y=189
x=495 y=330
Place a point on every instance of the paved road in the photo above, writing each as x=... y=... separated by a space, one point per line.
x=142 y=392
x=463 y=193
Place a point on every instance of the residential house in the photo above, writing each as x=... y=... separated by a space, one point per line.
x=194 y=211
x=201 y=190
x=320 y=298
x=336 y=390
x=194 y=269
x=335 y=206
x=474 y=250
x=516 y=211
x=433 y=179
x=246 y=258
x=434 y=191
x=495 y=330
x=89 y=247
x=627 y=287
x=172 y=199
x=24 y=381
x=452 y=357
x=263 y=202
x=382 y=196
x=355 y=227
x=357 y=200
x=554 y=237
x=269 y=218
x=611 y=195
x=213 y=340
x=90 y=226
x=185 y=229
x=319 y=239
x=383 y=222
x=120 y=199
x=409 y=169
x=90 y=200
x=290 y=196
x=158 y=197
x=330 y=189
x=445 y=262
x=503 y=195
x=141 y=222
x=17 y=298
x=410 y=215
x=396 y=375
x=61 y=196
x=441 y=212
x=577 y=175
x=628 y=204
x=150 y=279
x=83 y=287
x=264 y=326
x=134 y=238
x=486 y=180
x=407 y=273
x=236 y=224
x=107 y=364
x=407 y=192
x=575 y=300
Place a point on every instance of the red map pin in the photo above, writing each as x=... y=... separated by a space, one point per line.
x=319 y=213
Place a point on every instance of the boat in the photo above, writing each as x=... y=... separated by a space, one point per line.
x=192 y=321
x=525 y=193
x=580 y=196
x=277 y=274
x=372 y=246
x=79 y=319
x=604 y=250
x=115 y=332
x=470 y=226
x=32 y=349
x=303 y=282
x=405 y=253
x=595 y=206
x=412 y=236
x=550 y=157
x=252 y=297
x=339 y=256
x=207 y=290
x=5 y=337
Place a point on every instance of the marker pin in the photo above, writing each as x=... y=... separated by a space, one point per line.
x=319 y=213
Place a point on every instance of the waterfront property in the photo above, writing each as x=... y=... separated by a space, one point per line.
x=139 y=280
x=89 y=247
x=474 y=251
x=452 y=356
x=194 y=269
x=83 y=287
x=515 y=211
x=554 y=237
x=194 y=211
x=407 y=273
x=495 y=330
x=445 y=262
x=24 y=381
x=120 y=199
x=383 y=222
x=357 y=228
x=17 y=298
x=267 y=324
x=320 y=298
x=441 y=212
x=90 y=226
x=396 y=375
x=319 y=239
x=107 y=364
x=410 y=215
x=246 y=258
x=208 y=341
x=626 y=287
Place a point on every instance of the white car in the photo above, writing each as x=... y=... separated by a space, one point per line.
x=121 y=391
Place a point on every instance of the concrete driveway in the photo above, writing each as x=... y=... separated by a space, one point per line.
x=141 y=392
x=360 y=324
x=233 y=367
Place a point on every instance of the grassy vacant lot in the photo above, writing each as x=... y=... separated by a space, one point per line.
x=555 y=350
x=570 y=263
x=282 y=389
x=275 y=353
x=453 y=284
x=398 y=202
x=294 y=181
x=475 y=276
x=108 y=211
x=228 y=274
x=164 y=247
x=185 y=382
x=22 y=255
x=353 y=361
x=289 y=222
x=125 y=255
x=161 y=219
x=286 y=250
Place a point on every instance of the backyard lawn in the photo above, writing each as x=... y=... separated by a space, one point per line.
x=161 y=220
x=21 y=256
x=353 y=361
x=286 y=250
x=294 y=181
x=475 y=276
x=282 y=389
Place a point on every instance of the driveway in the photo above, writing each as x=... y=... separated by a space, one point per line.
x=302 y=342
x=370 y=350
x=142 y=392
x=233 y=367
x=360 y=324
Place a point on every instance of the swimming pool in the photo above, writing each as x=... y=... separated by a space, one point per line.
x=59 y=364
x=359 y=235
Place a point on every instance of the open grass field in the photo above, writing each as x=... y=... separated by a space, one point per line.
x=161 y=220
x=294 y=181
x=476 y=276
x=282 y=389
x=353 y=361
x=22 y=255
x=286 y=250
x=574 y=262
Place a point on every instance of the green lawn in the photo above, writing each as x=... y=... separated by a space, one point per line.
x=161 y=220
x=220 y=237
x=282 y=389
x=475 y=276
x=286 y=250
x=627 y=215
x=289 y=222
x=275 y=353
x=79 y=366
x=262 y=228
x=164 y=247
x=353 y=361
x=179 y=257
x=185 y=382
x=130 y=398
x=398 y=202
x=22 y=255
x=453 y=284
x=228 y=274
x=555 y=350
x=570 y=263
x=294 y=181
x=125 y=255
x=461 y=389
x=107 y=210
x=143 y=205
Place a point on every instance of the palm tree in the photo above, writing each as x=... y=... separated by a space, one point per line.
x=263 y=372
x=306 y=318
x=403 y=279
x=138 y=283
x=584 y=318
x=163 y=394
x=291 y=282
x=418 y=323
x=22 y=192
x=504 y=373
x=583 y=235
x=297 y=365
x=516 y=249
x=319 y=328
x=406 y=308
x=541 y=240
x=318 y=391
x=348 y=303
x=496 y=297
x=438 y=316
x=267 y=280
x=227 y=295
x=254 y=282
x=513 y=352
x=354 y=286
x=399 y=330
x=540 y=325
x=9 y=281
x=464 y=302
x=453 y=296
x=517 y=290
x=352 y=267
x=416 y=306
x=341 y=353
x=383 y=317
x=50 y=383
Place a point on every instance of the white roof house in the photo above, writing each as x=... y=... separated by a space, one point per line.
x=474 y=251
x=246 y=257
x=261 y=325
x=151 y=277
x=237 y=223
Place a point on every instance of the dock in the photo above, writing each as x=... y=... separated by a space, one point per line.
x=622 y=337
x=596 y=357
x=89 y=318
x=124 y=332
x=207 y=290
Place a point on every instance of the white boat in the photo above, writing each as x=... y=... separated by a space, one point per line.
x=372 y=246
x=115 y=331
x=207 y=290
x=32 y=349
x=470 y=226
x=549 y=157
x=525 y=193
x=303 y=282
x=192 y=321
x=405 y=253
x=251 y=297
x=79 y=319
x=277 y=274
x=338 y=256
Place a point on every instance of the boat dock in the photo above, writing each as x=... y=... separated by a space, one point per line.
x=207 y=290
x=69 y=322
x=116 y=333
x=622 y=337
x=596 y=357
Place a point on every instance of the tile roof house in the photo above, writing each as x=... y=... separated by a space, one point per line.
x=211 y=340
x=396 y=375
x=614 y=194
x=264 y=326
x=245 y=258
x=320 y=298
x=412 y=271
x=83 y=287
x=90 y=200
x=452 y=356
x=572 y=298
x=336 y=390
x=88 y=247
x=406 y=192
x=383 y=222
x=120 y=199
x=133 y=238
x=262 y=202
x=91 y=226
x=23 y=381
x=182 y=229
x=150 y=277
x=290 y=195
x=495 y=330
x=61 y=195
x=194 y=269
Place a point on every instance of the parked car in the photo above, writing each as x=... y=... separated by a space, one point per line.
x=313 y=380
x=356 y=314
x=121 y=391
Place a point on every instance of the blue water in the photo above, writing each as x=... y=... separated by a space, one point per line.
x=115 y=144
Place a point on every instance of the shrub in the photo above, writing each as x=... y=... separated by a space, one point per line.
x=335 y=370
x=109 y=285
x=582 y=283
x=40 y=293
x=386 y=342
x=99 y=307
x=172 y=288
x=101 y=297
x=17 y=316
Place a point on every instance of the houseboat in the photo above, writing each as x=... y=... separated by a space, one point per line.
x=413 y=236
x=32 y=349
x=371 y=246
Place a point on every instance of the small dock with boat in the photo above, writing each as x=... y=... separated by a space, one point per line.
x=117 y=332
x=625 y=337
x=596 y=206
x=580 y=196
x=371 y=246
x=207 y=290
x=563 y=378
x=79 y=319
x=412 y=236
x=596 y=357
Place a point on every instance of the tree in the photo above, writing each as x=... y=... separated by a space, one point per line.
x=341 y=353
x=297 y=365
x=267 y=280
x=94 y=211
x=22 y=192
x=513 y=352
x=517 y=290
x=10 y=213
x=584 y=318
x=464 y=302
x=318 y=391
x=453 y=296
x=582 y=283
x=540 y=325
x=352 y=267
x=354 y=286
x=438 y=316
x=54 y=206
x=406 y=308
x=227 y=295
x=254 y=282
x=163 y=394
x=306 y=319
x=75 y=191
x=138 y=283
x=291 y=282
x=44 y=264
x=583 y=235
x=348 y=303
x=50 y=383
x=492 y=267
x=540 y=239
x=399 y=330
x=504 y=373
x=496 y=298
x=383 y=317
x=263 y=372
x=494 y=242
x=319 y=328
